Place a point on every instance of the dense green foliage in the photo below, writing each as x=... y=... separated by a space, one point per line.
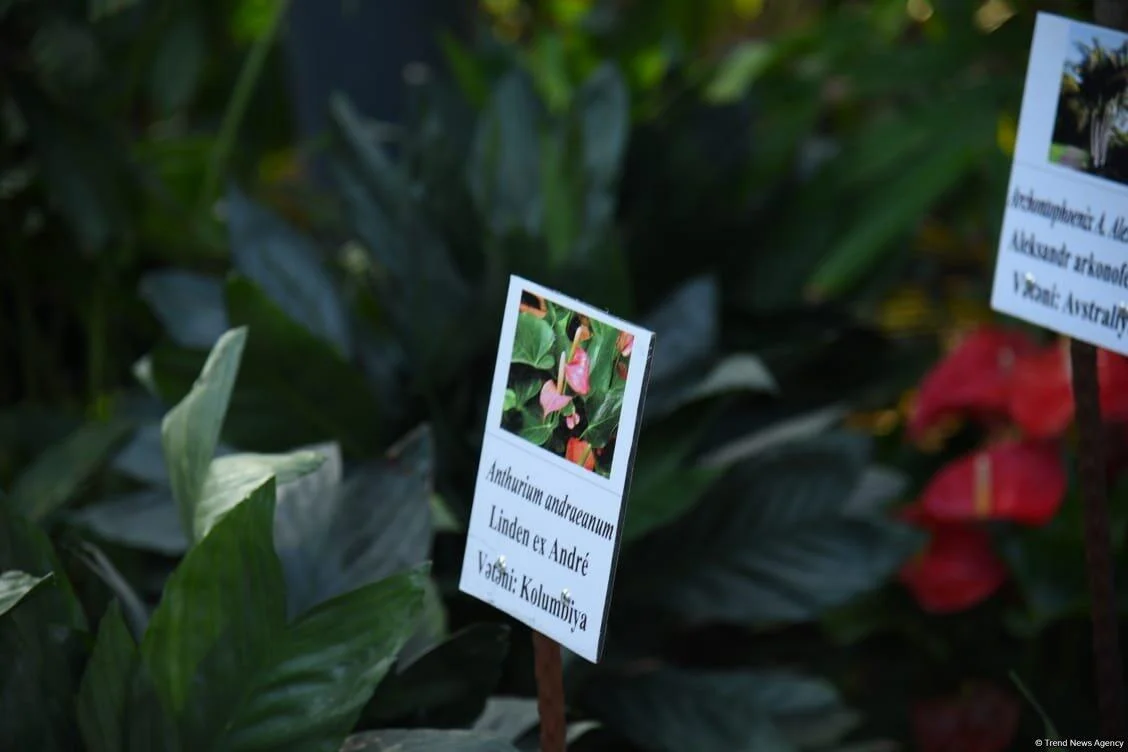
x=243 y=434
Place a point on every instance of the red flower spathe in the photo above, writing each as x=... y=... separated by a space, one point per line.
x=580 y=452
x=981 y=718
x=1019 y=481
x=957 y=570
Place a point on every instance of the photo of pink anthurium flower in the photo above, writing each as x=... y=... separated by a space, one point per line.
x=567 y=376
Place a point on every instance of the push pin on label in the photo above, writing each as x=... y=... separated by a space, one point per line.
x=566 y=596
x=1029 y=281
x=501 y=562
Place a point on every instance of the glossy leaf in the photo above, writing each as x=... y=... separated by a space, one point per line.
x=287 y=267
x=146 y=520
x=231 y=479
x=103 y=695
x=229 y=586
x=334 y=536
x=672 y=709
x=771 y=542
x=604 y=422
x=533 y=342
x=304 y=685
x=664 y=486
x=55 y=476
x=191 y=430
x=177 y=70
x=686 y=329
x=425 y=740
x=37 y=647
x=15 y=585
x=189 y=306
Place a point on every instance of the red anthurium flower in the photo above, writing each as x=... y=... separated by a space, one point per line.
x=1041 y=398
x=572 y=420
x=621 y=369
x=957 y=570
x=579 y=451
x=625 y=344
x=1020 y=481
x=578 y=371
x=981 y=718
x=973 y=378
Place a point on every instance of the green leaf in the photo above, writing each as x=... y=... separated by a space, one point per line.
x=104 y=693
x=176 y=72
x=425 y=740
x=189 y=306
x=664 y=486
x=288 y=268
x=772 y=542
x=191 y=430
x=533 y=342
x=231 y=479
x=229 y=585
x=37 y=647
x=510 y=400
x=312 y=393
x=602 y=349
x=304 y=688
x=56 y=475
x=604 y=422
x=752 y=711
x=333 y=537
x=146 y=520
x=604 y=104
x=446 y=686
x=537 y=430
x=14 y=585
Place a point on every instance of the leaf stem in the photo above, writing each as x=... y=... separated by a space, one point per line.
x=237 y=106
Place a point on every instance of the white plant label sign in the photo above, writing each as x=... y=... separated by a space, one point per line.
x=549 y=502
x=1063 y=254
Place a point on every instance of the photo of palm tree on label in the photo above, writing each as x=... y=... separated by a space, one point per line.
x=567 y=376
x=1091 y=125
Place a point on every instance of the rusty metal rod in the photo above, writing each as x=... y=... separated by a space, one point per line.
x=1098 y=541
x=549 y=668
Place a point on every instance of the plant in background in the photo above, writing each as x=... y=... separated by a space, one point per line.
x=567 y=377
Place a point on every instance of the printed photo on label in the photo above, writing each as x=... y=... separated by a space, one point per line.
x=567 y=378
x=1091 y=125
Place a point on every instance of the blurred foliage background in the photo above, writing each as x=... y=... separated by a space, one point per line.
x=802 y=198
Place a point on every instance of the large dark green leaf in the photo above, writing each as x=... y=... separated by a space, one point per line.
x=304 y=685
x=231 y=479
x=756 y=711
x=104 y=693
x=425 y=740
x=309 y=389
x=288 y=268
x=145 y=520
x=191 y=430
x=57 y=474
x=37 y=684
x=664 y=485
x=229 y=586
x=771 y=542
x=334 y=536
x=533 y=342
x=686 y=334
x=446 y=686
x=188 y=305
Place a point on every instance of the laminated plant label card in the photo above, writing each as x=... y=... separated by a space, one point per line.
x=1063 y=255
x=549 y=502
